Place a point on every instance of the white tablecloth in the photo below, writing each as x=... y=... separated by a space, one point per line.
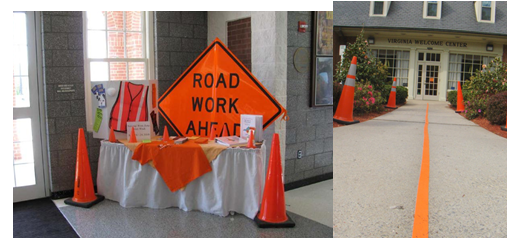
x=235 y=183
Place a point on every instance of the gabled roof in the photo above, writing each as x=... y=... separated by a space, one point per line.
x=456 y=16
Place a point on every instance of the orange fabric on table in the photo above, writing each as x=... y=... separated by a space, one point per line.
x=178 y=165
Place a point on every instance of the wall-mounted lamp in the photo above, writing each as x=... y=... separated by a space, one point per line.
x=489 y=47
x=371 y=40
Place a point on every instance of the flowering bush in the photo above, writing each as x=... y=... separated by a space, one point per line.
x=491 y=80
x=366 y=99
x=475 y=107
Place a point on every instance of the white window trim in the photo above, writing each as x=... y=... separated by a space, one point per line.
x=149 y=62
x=425 y=11
x=387 y=4
x=478 y=12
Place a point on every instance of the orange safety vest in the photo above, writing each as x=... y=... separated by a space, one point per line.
x=131 y=105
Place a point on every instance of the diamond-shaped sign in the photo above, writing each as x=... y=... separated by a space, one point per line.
x=214 y=91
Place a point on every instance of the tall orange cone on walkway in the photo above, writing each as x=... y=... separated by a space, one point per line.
x=112 y=138
x=165 y=135
x=132 y=138
x=250 y=140
x=344 y=111
x=391 y=104
x=273 y=209
x=460 y=107
x=212 y=133
x=84 y=195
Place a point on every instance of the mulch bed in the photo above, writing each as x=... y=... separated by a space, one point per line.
x=365 y=117
x=483 y=122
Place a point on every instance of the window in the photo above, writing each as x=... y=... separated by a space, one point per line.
x=432 y=9
x=117 y=46
x=379 y=8
x=397 y=63
x=485 y=11
x=462 y=67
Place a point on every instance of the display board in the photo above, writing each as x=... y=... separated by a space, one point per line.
x=137 y=102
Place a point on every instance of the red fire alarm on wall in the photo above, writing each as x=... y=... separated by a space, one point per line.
x=302 y=26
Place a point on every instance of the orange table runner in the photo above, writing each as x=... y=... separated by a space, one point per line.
x=178 y=165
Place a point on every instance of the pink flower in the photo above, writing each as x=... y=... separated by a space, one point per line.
x=479 y=111
x=369 y=87
x=360 y=88
x=370 y=93
x=369 y=62
x=372 y=100
x=484 y=66
x=367 y=102
x=466 y=111
x=364 y=98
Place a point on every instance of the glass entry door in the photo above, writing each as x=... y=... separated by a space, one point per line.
x=28 y=174
x=427 y=81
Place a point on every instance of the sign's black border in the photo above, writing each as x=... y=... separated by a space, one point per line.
x=239 y=64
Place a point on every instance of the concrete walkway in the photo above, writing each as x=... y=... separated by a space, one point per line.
x=376 y=173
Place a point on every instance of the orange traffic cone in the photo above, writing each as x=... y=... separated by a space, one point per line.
x=460 y=107
x=212 y=133
x=344 y=111
x=225 y=131
x=165 y=135
x=250 y=140
x=273 y=209
x=391 y=104
x=84 y=195
x=504 y=128
x=133 y=139
x=112 y=136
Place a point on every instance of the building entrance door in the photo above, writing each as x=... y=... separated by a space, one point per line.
x=428 y=81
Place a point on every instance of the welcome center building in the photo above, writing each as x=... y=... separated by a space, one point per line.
x=428 y=46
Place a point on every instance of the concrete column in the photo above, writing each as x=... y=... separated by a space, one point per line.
x=444 y=76
x=412 y=69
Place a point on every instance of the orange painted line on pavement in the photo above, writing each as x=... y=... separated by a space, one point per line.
x=421 y=205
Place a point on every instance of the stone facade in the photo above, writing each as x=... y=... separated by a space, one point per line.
x=309 y=129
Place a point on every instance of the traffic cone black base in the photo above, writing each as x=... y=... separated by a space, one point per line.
x=345 y=122
x=99 y=198
x=503 y=128
x=390 y=107
x=458 y=111
x=263 y=224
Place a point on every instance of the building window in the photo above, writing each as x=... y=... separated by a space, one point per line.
x=485 y=11
x=379 y=8
x=397 y=63
x=462 y=67
x=116 y=47
x=432 y=9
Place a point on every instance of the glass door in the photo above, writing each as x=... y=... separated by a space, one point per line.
x=28 y=173
x=427 y=76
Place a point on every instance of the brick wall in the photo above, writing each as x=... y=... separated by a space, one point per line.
x=309 y=129
x=62 y=41
x=239 y=40
x=180 y=38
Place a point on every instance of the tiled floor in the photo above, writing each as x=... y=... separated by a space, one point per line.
x=310 y=207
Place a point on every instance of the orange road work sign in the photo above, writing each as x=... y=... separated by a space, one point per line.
x=213 y=92
x=421 y=216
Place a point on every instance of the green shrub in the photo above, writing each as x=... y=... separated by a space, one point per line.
x=476 y=107
x=337 y=94
x=490 y=81
x=369 y=68
x=452 y=97
x=386 y=92
x=496 y=110
x=366 y=99
x=401 y=95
